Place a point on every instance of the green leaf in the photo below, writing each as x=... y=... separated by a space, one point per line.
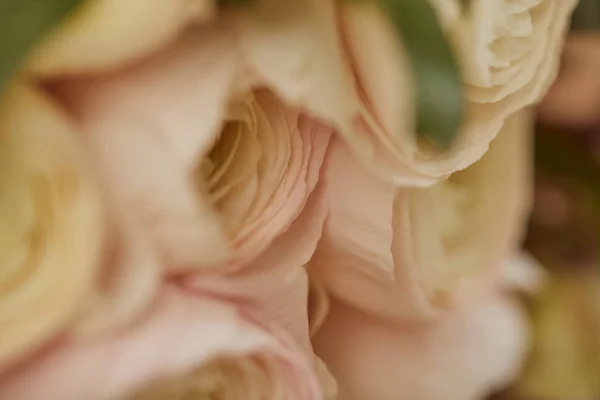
x=586 y=16
x=236 y=2
x=440 y=103
x=22 y=24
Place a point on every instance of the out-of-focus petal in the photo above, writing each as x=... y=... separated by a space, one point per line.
x=147 y=128
x=105 y=34
x=190 y=344
x=465 y=355
x=51 y=227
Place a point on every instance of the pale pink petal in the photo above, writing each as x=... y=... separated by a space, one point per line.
x=127 y=287
x=146 y=183
x=276 y=283
x=306 y=140
x=168 y=94
x=410 y=252
x=149 y=126
x=465 y=355
x=184 y=333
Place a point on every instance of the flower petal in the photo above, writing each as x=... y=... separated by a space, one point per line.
x=464 y=355
x=184 y=334
x=412 y=251
x=106 y=34
x=53 y=225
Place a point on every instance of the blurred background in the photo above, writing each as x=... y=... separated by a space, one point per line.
x=564 y=229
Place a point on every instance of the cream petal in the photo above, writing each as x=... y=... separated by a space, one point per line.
x=402 y=249
x=205 y=329
x=295 y=48
x=57 y=221
x=542 y=26
x=105 y=34
x=464 y=355
x=387 y=115
x=489 y=221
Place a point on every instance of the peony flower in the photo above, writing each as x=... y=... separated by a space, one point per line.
x=212 y=169
x=414 y=251
x=51 y=228
x=465 y=355
x=191 y=345
x=106 y=34
x=342 y=62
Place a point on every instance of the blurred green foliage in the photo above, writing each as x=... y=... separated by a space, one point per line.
x=22 y=24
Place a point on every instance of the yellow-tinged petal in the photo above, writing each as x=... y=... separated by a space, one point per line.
x=51 y=222
x=105 y=34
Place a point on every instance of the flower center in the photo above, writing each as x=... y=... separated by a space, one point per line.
x=229 y=170
x=225 y=379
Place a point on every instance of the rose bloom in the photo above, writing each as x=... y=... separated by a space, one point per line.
x=415 y=251
x=190 y=346
x=51 y=222
x=213 y=170
x=508 y=53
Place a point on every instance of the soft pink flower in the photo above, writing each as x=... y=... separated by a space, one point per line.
x=404 y=252
x=464 y=355
x=190 y=344
x=213 y=170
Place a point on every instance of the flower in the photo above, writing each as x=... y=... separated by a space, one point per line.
x=214 y=175
x=343 y=63
x=106 y=34
x=51 y=231
x=190 y=345
x=465 y=354
x=410 y=252
x=508 y=52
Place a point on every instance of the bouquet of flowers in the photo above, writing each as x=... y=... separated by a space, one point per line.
x=268 y=199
